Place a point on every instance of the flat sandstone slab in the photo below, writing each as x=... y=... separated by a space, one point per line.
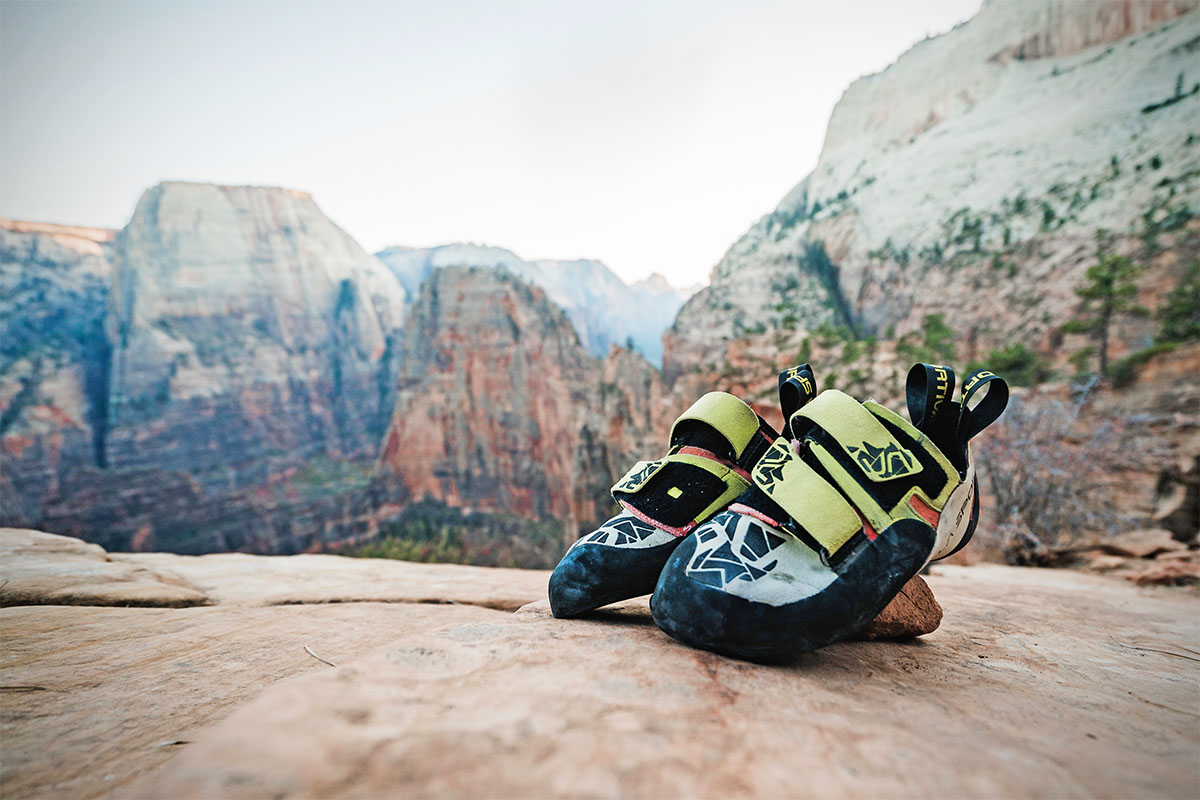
x=238 y=578
x=1038 y=684
x=39 y=568
x=91 y=698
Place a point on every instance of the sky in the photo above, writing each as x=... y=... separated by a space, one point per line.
x=647 y=134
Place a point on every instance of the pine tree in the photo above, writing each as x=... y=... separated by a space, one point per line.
x=1109 y=291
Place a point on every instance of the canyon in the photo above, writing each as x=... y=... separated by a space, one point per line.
x=232 y=371
x=220 y=374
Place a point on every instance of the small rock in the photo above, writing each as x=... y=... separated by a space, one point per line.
x=1141 y=544
x=1171 y=568
x=1105 y=562
x=913 y=612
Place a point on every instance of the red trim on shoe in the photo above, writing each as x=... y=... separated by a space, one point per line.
x=676 y=532
x=867 y=529
x=700 y=451
x=739 y=508
x=925 y=511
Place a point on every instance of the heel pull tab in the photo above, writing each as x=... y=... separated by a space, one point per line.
x=932 y=409
x=984 y=398
x=797 y=386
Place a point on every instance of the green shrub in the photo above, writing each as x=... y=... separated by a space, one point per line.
x=936 y=344
x=433 y=532
x=1017 y=364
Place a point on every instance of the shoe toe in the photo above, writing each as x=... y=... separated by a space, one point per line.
x=620 y=560
x=741 y=589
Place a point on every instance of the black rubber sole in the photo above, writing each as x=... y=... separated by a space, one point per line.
x=594 y=575
x=708 y=618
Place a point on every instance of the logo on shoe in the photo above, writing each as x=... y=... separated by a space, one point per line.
x=942 y=378
x=733 y=548
x=621 y=532
x=769 y=470
x=975 y=379
x=636 y=478
x=884 y=463
x=793 y=374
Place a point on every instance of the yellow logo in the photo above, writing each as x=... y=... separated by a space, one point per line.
x=793 y=374
x=770 y=468
x=636 y=478
x=884 y=463
x=971 y=384
x=943 y=383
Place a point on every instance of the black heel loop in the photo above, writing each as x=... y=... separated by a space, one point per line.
x=984 y=398
x=931 y=405
x=797 y=386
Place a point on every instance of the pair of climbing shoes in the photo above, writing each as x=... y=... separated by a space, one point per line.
x=762 y=551
x=714 y=445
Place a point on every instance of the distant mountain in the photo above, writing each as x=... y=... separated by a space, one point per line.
x=178 y=385
x=603 y=309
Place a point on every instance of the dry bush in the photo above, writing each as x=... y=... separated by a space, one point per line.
x=1052 y=470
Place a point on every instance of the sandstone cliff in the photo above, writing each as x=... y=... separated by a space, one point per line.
x=246 y=318
x=225 y=388
x=54 y=285
x=968 y=179
x=501 y=409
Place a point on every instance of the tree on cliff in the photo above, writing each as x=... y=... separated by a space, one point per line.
x=1109 y=291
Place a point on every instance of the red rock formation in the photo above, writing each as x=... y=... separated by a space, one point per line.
x=501 y=409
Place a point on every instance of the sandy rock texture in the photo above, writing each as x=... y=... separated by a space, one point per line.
x=1039 y=684
x=456 y=681
x=92 y=698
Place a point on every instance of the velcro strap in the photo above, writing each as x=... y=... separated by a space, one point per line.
x=638 y=476
x=690 y=497
x=860 y=434
x=727 y=415
x=808 y=498
x=643 y=471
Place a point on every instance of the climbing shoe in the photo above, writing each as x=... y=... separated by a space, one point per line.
x=848 y=505
x=713 y=447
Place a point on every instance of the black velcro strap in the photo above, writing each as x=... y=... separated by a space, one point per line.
x=797 y=386
x=675 y=495
x=931 y=407
x=759 y=445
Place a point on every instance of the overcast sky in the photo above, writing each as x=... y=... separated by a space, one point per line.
x=646 y=134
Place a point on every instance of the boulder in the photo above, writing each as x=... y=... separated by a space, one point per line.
x=327 y=676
